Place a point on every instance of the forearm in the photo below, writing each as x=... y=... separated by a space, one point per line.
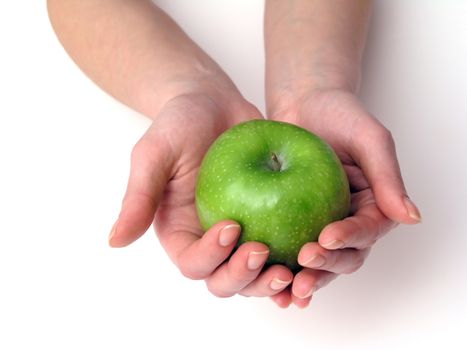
x=134 y=51
x=314 y=44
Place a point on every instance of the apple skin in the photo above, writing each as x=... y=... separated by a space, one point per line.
x=280 y=182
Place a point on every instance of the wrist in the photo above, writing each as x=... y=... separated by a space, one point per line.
x=286 y=93
x=205 y=87
x=186 y=79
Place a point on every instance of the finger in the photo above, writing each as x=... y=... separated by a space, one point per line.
x=197 y=257
x=361 y=230
x=242 y=268
x=301 y=302
x=308 y=281
x=282 y=299
x=151 y=164
x=272 y=281
x=375 y=152
x=349 y=260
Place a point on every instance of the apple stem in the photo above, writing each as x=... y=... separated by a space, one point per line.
x=275 y=163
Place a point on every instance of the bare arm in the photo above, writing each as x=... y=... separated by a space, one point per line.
x=135 y=52
x=315 y=43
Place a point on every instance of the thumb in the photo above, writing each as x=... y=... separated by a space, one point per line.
x=151 y=164
x=376 y=155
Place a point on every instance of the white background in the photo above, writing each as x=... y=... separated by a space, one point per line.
x=64 y=161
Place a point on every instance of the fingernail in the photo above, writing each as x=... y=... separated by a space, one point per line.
x=228 y=234
x=113 y=231
x=278 y=284
x=334 y=244
x=309 y=294
x=412 y=209
x=315 y=261
x=257 y=259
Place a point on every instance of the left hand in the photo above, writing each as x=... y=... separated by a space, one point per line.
x=379 y=199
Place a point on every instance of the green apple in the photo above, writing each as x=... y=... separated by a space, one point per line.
x=280 y=182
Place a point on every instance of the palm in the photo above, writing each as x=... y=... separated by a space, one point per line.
x=346 y=124
x=191 y=134
x=336 y=117
x=345 y=120
x=183 y=130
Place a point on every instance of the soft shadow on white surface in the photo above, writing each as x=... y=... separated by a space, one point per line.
x=64 y=150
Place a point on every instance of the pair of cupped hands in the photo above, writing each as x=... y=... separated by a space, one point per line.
x=165 y=164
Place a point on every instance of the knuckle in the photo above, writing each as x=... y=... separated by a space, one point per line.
x=368 y=241
x=358 y=263
x=376 y=132
x=332 y=262
x=384 y=134
x=238 y=277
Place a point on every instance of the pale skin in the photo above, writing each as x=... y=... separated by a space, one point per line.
x=136 y=53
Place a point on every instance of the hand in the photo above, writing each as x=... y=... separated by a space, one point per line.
x=379 y=199
x=164 y=167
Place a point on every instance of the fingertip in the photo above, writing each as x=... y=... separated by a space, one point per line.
x=282 y=299
x=283 y=302
x=280 y=277
x=112 y=233
x=201 y=254
x=377 y=157
x=398 y=208
x=120 y=237
x=412 y=211
x=304 y=284
x=254 y=255
x=115 y=239
x=307 y=250
x=218 y=225
x=228 y=233
x=225 y=232
x=331 y=237
x=134 y=219
x=117 y=244
x=301 y=303
x=306 y=247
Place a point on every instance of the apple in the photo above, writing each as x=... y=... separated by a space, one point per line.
x=280 y=182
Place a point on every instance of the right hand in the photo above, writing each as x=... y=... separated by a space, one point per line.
x=161 y=189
